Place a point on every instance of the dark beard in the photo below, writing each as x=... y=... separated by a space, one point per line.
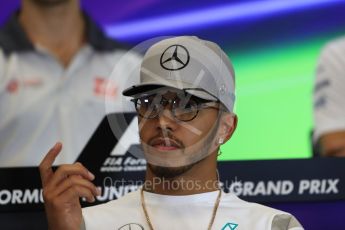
x=169 y=172
x=49 y=3
x=172 y=172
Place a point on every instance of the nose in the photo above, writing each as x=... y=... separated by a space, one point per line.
x=166 y=120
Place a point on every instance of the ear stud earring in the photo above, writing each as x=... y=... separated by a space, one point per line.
x=220 y=141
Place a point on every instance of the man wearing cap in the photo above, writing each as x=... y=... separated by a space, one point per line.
x=185 y=105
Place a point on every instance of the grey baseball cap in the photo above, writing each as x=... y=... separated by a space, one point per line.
x=188 y=63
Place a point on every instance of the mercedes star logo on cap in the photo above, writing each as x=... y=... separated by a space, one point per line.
x=175 y=57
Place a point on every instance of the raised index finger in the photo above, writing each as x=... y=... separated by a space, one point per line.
x=46 y=164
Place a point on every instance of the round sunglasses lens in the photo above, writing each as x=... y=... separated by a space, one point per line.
x=145 y=108
x=186 y=111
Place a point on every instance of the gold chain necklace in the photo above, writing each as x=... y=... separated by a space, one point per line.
x=215 y=208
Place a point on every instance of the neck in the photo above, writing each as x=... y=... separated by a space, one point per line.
x=202 y=177
x=59 y=28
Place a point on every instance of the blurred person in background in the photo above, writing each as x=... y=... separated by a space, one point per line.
x=54 y=68
x=329 y=100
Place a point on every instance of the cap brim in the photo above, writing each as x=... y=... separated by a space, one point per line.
x=142 y=88
x=150 y=88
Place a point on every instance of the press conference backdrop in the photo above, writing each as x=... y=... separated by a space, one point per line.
x=274 y=47
x=277 y=183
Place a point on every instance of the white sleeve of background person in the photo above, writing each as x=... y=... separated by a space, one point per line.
x=2 y=70
x=329 y=90
x=4 y=80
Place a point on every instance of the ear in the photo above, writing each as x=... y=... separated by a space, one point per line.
x=227 y=126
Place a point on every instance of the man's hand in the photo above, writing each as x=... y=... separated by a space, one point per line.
x=62 y=190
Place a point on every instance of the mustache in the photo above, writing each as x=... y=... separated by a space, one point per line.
x=166 y=136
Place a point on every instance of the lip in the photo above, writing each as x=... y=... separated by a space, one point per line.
x=165 y=144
